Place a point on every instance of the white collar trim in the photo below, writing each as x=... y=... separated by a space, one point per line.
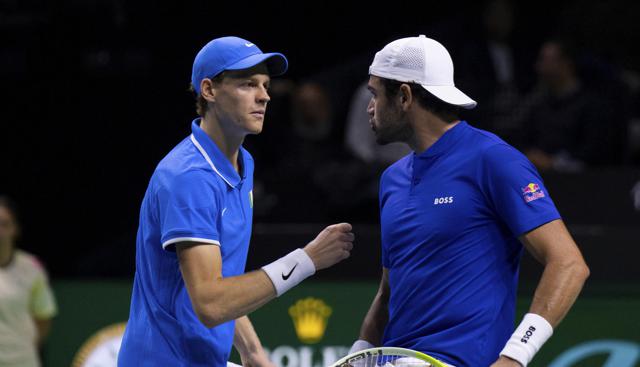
x=206 y=157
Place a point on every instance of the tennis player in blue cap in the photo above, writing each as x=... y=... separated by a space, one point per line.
x=191 y=294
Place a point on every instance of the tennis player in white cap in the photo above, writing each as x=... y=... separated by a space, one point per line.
x=456 y=214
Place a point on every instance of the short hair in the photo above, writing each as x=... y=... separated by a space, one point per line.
x=444 y=110
x=201 y=103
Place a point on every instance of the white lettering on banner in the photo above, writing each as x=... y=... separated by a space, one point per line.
x=288 y=356
x=306 y=355
x=285 y=356
x=621 y=353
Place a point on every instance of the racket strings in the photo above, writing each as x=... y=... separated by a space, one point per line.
x=386 y=361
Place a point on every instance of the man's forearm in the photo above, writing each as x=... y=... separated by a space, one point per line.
x=375 y=320
x=217 y=299
x=565 y=270
x=564 y=275
x=231 y=298
x=558 y=289
x=245 y=338
x=378 y=315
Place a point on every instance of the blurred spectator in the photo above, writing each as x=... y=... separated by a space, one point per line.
x=310 y=169
x=26 y=300
x=567 y=126
x=312 y=113
x=494 y=71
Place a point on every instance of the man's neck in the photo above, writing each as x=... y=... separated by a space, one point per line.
x=228 y=143
x=427 y=130
x=6 y=254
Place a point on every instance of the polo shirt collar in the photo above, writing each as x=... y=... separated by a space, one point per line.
x=214 y=156
x=445 y=142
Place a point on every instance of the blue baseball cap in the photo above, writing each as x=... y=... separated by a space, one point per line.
x=233 y=53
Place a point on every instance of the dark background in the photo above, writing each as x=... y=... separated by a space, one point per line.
x=94 y=94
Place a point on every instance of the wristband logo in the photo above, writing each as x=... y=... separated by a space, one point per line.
x=285 y=277
x=528 y=334
x=310 y=316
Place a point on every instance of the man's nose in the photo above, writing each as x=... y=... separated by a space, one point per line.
x=263 y=96
x=370 y=107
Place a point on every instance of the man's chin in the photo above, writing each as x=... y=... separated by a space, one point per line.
x=255 y=129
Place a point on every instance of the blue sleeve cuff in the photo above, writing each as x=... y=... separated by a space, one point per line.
x=536 y=222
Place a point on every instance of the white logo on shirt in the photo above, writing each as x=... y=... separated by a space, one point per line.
x=443 y=200
x=223 y=211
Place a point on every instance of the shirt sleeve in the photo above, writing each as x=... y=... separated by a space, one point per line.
x=42 y=303
x=515 y=190
x=188 y=210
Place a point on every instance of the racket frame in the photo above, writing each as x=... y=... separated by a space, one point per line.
x=382 y=351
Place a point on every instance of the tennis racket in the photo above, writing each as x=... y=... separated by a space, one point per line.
x=388 y=357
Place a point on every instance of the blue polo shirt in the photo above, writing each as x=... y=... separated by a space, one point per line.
x=450 y=218
x=195 y=194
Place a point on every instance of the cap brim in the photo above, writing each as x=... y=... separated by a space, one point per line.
x=276 y=63
x=451 y=95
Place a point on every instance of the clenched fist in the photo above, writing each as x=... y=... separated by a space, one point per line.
x=331 y=246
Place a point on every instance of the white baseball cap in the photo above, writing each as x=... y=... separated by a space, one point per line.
x=423 y=61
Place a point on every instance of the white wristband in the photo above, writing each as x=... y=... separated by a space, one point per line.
x=360 y=345
x=286 y=272
x=528 y=338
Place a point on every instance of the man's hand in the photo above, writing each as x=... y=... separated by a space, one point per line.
x=505 y=362
x=256 y=359
x=331 y=246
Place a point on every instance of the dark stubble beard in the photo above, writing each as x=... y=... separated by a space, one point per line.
x=393 y=127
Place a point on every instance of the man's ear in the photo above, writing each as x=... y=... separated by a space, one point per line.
x=406 y=97
x=207 y=90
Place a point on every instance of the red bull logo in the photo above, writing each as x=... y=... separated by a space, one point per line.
x=532 y=192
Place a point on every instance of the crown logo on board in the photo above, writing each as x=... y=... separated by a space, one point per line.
x=310 y=316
